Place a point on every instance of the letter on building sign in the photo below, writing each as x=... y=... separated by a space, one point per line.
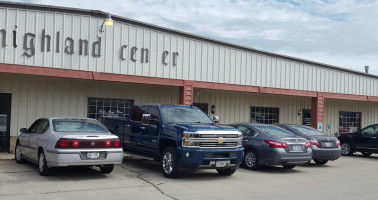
x=44 y=37
x=57 y=42
x=123 y=47
x=14 y=37
x=132 y=54
x=175 y=55
x=145 y=54
x=4 y=36
x=165 y=55
x=85 y=42
x=96 y=48
x=69 y=49
x=31 y=46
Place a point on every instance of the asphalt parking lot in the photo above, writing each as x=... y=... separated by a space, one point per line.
x=352 y=177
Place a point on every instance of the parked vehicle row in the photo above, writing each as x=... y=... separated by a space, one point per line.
x=178 y=137
x=364 y=141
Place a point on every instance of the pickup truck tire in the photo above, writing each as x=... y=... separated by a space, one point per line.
x=226 y=172
x=169 y=164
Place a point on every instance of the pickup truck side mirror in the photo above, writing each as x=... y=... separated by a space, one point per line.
x=23 y=130
x=215 y=119
x=146 y=118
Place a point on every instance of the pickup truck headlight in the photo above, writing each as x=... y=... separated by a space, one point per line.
x=188 y=140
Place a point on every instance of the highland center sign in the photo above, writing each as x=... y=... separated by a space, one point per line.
x=80 y=47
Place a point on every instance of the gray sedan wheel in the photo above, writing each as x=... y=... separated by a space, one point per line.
x=42 y=164
x=346 y=149
x=251 y=160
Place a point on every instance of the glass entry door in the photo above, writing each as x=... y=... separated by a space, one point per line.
x=5 y=116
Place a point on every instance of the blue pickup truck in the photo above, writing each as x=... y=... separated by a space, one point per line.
x=179 y=137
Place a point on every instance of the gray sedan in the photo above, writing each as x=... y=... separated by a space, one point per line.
x=323 y=147
x=59 y=142
x=272 y=145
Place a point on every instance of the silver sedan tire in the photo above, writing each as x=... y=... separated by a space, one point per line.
x=18 y=154
x=42 y=164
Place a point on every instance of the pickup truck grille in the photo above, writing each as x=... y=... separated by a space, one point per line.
x=211 y=140
x=216 y=144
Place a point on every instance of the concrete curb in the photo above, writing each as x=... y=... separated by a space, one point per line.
x=6 y=156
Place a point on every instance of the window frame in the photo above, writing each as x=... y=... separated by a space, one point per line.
x=345 y=115
x=273 y=121
x=98 y=115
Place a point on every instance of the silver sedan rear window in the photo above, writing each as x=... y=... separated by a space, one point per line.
x=78 y=126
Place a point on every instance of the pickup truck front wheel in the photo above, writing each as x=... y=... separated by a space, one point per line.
x=226 y=172
x=169 y=163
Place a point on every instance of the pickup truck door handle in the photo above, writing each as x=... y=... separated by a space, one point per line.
x=373 y=137
x=245 y=140
x=142 y=127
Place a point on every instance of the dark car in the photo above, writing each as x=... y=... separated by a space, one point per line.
x=271 y=145
x=364 y=141
x=324 y=148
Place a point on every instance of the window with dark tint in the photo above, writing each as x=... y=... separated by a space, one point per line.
x=273 y=130
x=246 y=131
x=137 y=113
x=98 y=107
x=43 y=126
x=372 y=130
x=349 y=122
x=154 y=112
x=34 y=126
x=307 y=130
x=265 y=115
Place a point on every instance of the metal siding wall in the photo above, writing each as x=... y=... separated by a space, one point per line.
x=34 y=97
x=333 y=107
x=236 y=106
x=197 y=60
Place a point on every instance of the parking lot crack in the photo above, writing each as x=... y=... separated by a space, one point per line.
x=139 y=176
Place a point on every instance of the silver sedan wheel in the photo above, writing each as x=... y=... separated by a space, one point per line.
x=168 y=162
x=18 y=153
x=345 y=149
x=41 y=163
x=250 y=159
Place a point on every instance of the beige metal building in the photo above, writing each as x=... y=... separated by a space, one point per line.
x=58 y=61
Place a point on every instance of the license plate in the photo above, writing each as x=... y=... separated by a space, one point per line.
x=93 y=155
x=297 y=148
x=221 y=163
x=328 y=144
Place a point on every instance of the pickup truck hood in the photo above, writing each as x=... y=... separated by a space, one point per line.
x=194 y=127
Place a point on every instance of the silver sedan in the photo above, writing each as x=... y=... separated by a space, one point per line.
x=60 y=142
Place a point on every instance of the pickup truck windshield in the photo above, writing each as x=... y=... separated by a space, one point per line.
x=184 y=115
x=77 y=126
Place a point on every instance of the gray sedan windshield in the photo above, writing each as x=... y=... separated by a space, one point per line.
x=184 y=115
x=307 y=130
x=77 y=126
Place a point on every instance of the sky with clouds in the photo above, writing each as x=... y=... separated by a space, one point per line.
x=343 y=33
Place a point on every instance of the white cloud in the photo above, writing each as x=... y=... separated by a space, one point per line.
x=338 y=32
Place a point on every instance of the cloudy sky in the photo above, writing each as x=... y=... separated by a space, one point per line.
x=343 y=33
